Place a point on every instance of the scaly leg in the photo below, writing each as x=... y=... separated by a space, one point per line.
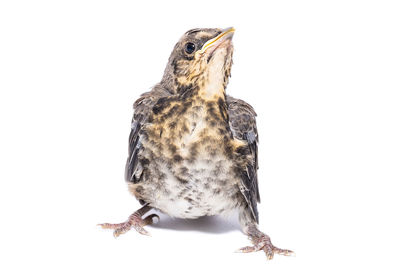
x=260 y=240
x=134 y=221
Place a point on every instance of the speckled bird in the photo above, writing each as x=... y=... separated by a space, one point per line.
x=192 y=148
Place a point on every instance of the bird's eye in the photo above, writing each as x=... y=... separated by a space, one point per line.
x=190 y=47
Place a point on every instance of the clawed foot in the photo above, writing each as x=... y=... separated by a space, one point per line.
x=264 y=243
x=134 y=221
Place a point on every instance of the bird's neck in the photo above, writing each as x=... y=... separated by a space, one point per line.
x=207 y=82
x=212 y=85
x=208 y=86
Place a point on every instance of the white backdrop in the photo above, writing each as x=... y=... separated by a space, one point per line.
x=323 y=77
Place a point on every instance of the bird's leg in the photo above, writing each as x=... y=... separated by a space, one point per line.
x=134 y=221
x=260 y=240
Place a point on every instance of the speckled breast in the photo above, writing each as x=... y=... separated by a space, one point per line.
x=189 y=164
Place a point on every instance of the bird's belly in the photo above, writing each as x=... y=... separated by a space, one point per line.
x=207 y=187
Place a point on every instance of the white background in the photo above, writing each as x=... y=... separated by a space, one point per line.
x=324 y=77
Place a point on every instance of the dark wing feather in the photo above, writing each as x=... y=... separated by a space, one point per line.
x=142 y=108
x=242 y=121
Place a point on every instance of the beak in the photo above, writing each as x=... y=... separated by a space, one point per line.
x=216 y=41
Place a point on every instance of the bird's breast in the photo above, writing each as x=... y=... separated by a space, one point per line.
x=190 y=171
x=190 y=129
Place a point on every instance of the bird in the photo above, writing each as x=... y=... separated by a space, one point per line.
x=193 y=149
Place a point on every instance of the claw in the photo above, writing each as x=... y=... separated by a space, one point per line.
x=102 y=225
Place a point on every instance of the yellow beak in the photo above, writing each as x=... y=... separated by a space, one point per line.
x=226 y=33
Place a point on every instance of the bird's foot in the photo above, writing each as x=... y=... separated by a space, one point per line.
x=134 y=221
x=263 y=242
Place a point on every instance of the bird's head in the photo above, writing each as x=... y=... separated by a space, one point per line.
x=202 y=58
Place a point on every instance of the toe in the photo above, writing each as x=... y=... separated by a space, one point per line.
x=141 y=230
x=117 y=233
x=284 y=252
x=106 y=225
x=121 y=230
x=269 y=252
x=246 y=249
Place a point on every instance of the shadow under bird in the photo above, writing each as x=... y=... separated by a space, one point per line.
x=192 y=148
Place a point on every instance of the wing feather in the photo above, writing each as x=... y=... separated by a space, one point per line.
x=242 y=121
x=142 y=109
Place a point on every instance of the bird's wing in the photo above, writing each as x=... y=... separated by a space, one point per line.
x=142 y=108
x=242 y=121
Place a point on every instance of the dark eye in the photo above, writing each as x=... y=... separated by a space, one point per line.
x=190 y=47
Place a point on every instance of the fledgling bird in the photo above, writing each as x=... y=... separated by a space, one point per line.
x=192 y=148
